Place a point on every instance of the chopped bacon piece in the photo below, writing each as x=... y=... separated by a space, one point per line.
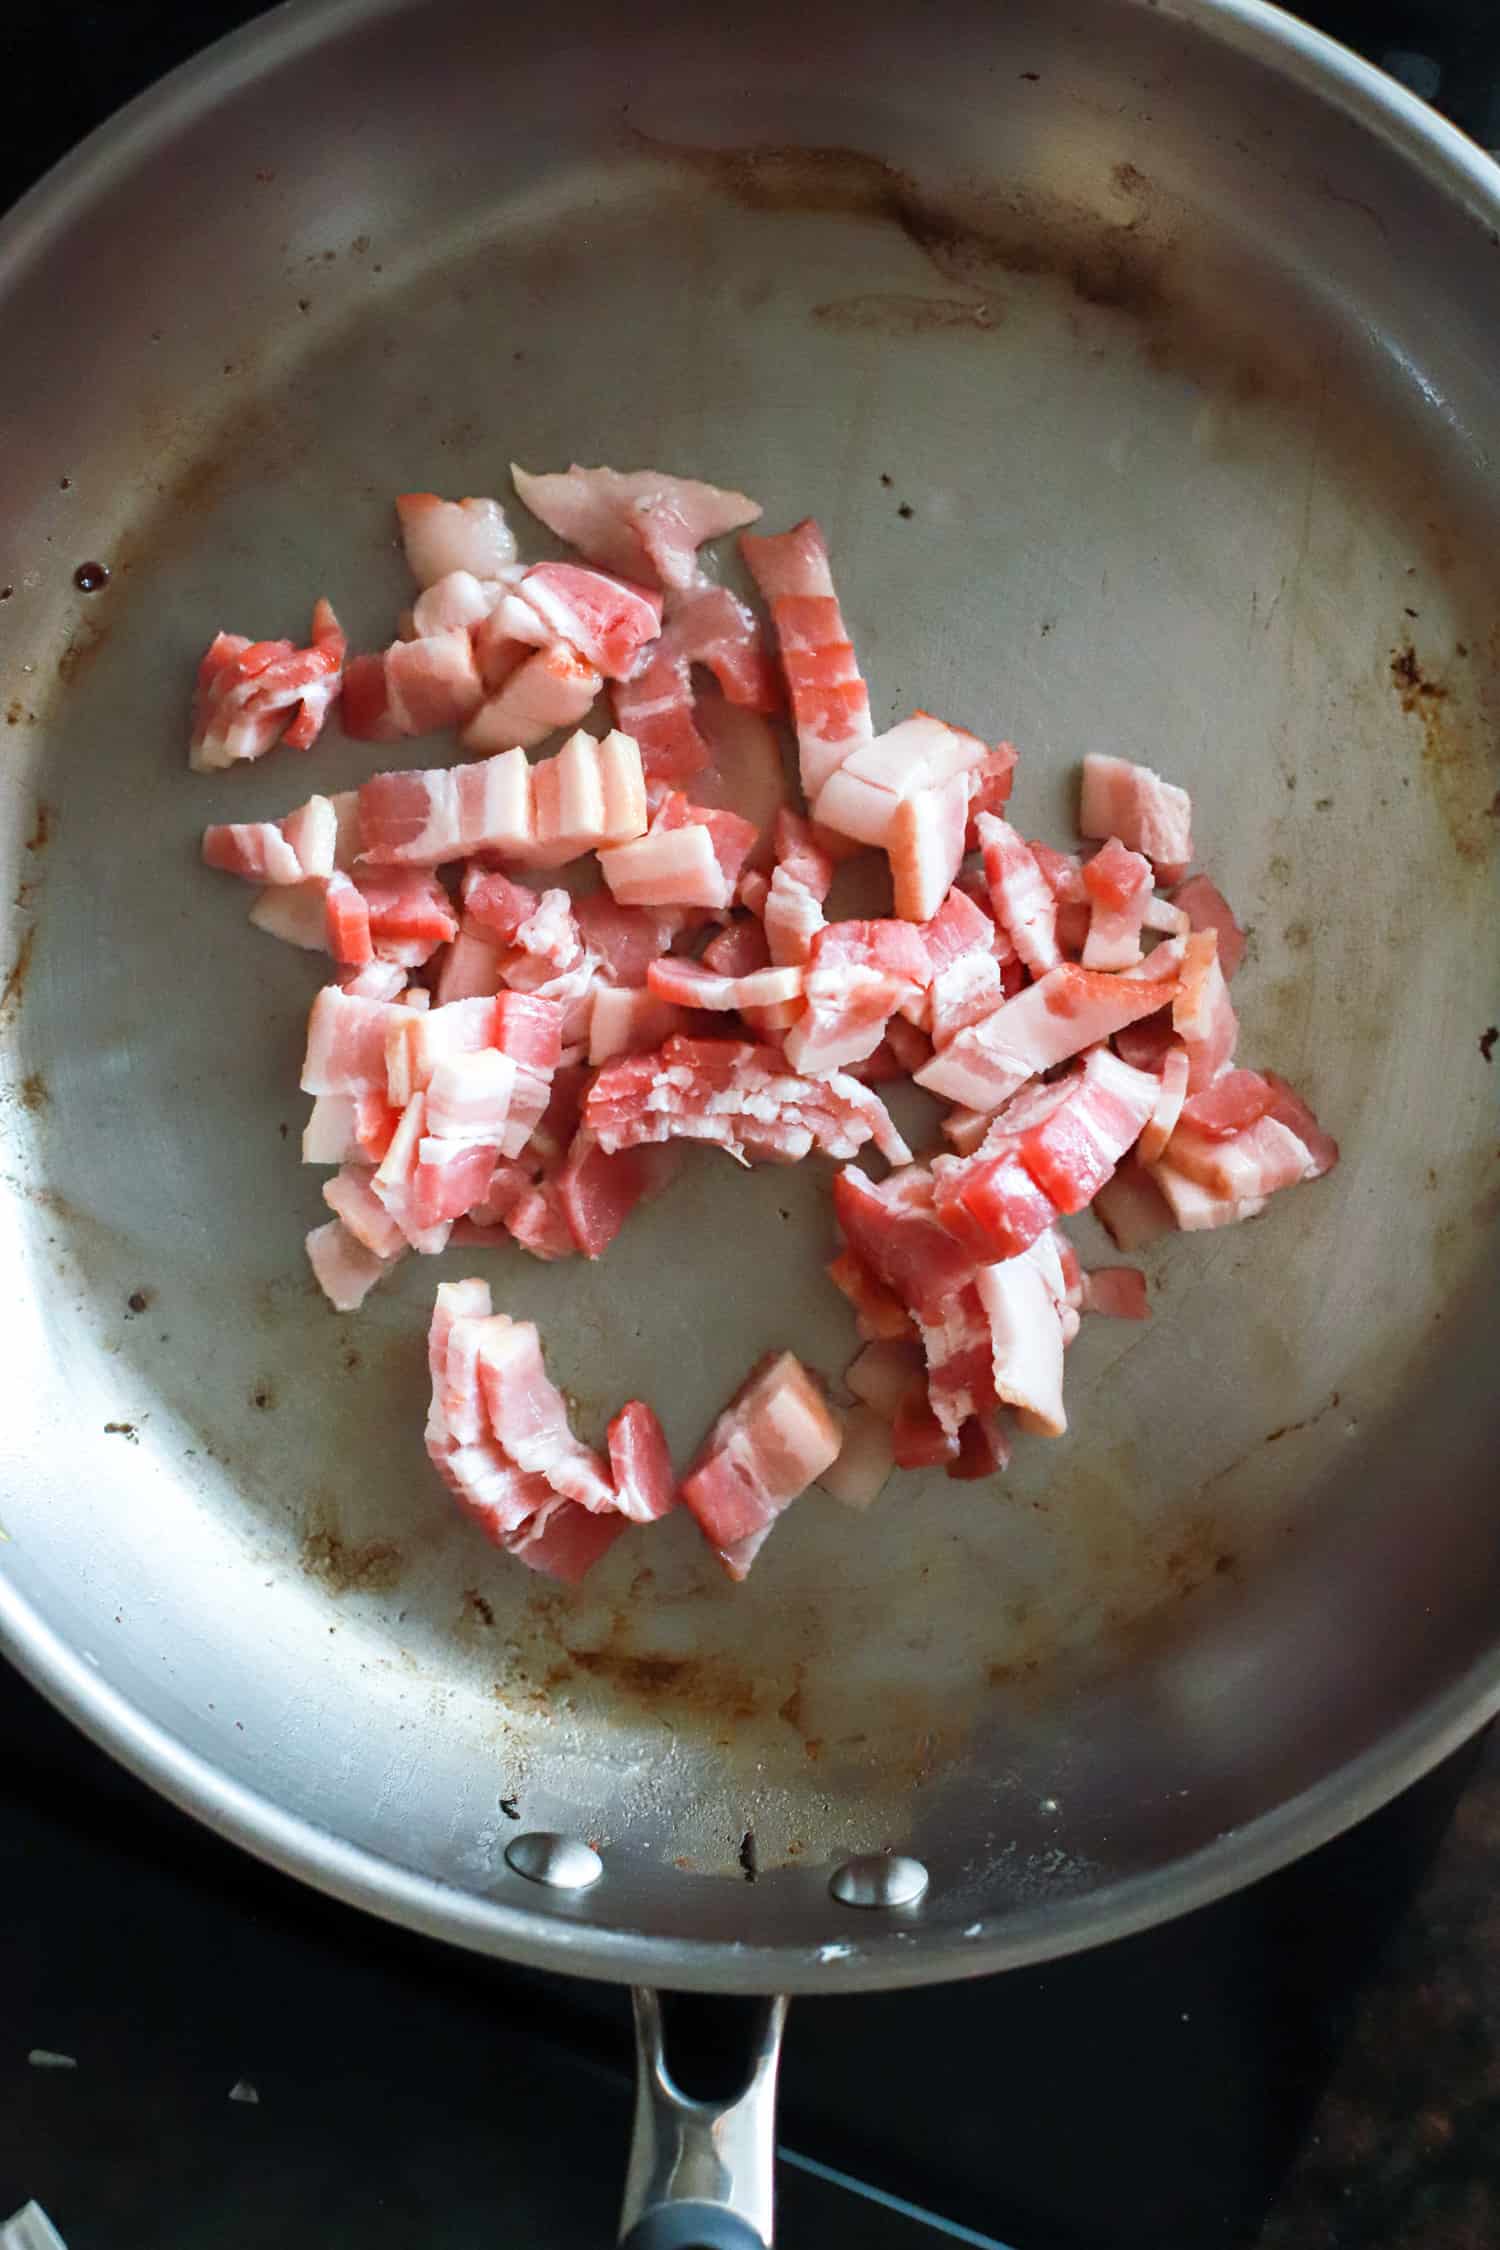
x=1203 y=1016
x=708 y=626
x=641 y=1464
x=470 y=969
x=538 y=1222
x=1147 y=814
x=691 y=986
x=564 y=1541
x=456 y=600
x=1119 y=1292
x=528 y=1415
x=640 y=523
x=298 y=849
x=629 y=1021
x=607 y=620
x=878 y=1311
x=865 y=1460
x=292 y=912
x=1132 y=1206
x=1167 y=1108
x=1292 y=1111
x=1193 y=1207
x=983 y=1450
x=990 y=1203
x=345 y=1270
x=830 y=702
x=251 y=695
x=431 y=683
x=1023 y=1302
x=1206 y=908
x=1097 y=1114
x=349 y=1197
x=918 y=1438
x=858 y=975
x=420 y=819
x=883 y=1373
x=469 y=1096
x=346 y=922
x=492 y=903
x=409 y=914
x=446 y=535
x=960 y=1360
x=597 y=1191
x=553 y=688
x=625 y=939
x=1119 y=884
x=748 y=775
x=1228 y=1105
x=1022 y=898
x=894 y=1228
x=860 y=799
x=740 y=1097
x=346 y=1042
x=774 y=1439
x=1068 y=1009
x=1252 y=1165
x=668 y=867
x=449 y=1179
x=989 y=787
x=925 y=845
x=365 y=704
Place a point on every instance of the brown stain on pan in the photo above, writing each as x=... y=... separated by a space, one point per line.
x=893 y=314
x=1458 y=752
x=1127 y=263
x=13 y=991
x=370 y=1566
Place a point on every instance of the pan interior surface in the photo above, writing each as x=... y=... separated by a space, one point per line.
x=1149 y=399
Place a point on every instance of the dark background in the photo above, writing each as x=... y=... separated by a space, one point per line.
x=1310 y=2066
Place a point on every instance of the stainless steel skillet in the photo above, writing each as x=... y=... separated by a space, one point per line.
x=1142 y=363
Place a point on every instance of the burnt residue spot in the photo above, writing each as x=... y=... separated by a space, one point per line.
x=122 y=1429
x=6 y=593
x=1411 y=683
x=511 y=1808
x=263 y=1396
x=895 y=313
x=304 y=304
x=1455 y=754
x=1130 y=180
x=352 y=1360
x=41 y=827
x=1104 y=265
x=1322 y=804
x=906 y=511
x=747 y=1855
x=90 y=576
x=1289 y=1429
x=1298 y=934
x=34 y=1094
x=885 y=480
x=283 y=1129
x=1487 y=1041
x=13 y=991
x=1030 y=77
x=477 y=1609
x=139 y=1300
x=370 y=1567
x=65 y=484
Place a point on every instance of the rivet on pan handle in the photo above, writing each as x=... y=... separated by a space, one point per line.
x=701 y=2173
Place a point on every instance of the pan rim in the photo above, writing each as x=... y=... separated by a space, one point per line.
x=1460 y=169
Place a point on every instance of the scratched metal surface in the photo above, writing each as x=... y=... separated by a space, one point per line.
x=1149 y=399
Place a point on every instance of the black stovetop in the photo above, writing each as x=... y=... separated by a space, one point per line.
x=1310 y=2066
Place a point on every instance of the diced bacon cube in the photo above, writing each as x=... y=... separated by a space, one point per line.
x=861 y=797
x=1194 y=1208
x=606 y=619
x=918 y=1439
x=365 y=705
x=1253 y=1164
x=878 y=1312
x=1207 y=909
x=1167 y=1108
x=346 y=1042
x=432 y=683
x=866 y=1458
x=1203 y=1016
x=640 y=1464
x=469 y=1096
x=1021 y=1300
x=552 y=689
x=470 y=970
x=1228 y=1105
x=345 y=1270
x=346 y=922
x=668 y=867
x=895 y=1229
x=991 y=1203
x=629 y=1022
x=774 y=1439
x=990 y=784
x=597 y=1191
x=1292 y=1111
x=528 y=1416
x=1119 y=1292
x=350 y=1198
x=563 y=1541
x=1147 y=814
x=925 y=844
x=1132 y=1207
x=447 y=535
x=690 y=986
x=1021 y=896
x=1119 y=885
x=885 y=1372
x=450 y=1178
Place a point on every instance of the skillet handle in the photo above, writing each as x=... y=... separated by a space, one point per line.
x=701 y=2174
